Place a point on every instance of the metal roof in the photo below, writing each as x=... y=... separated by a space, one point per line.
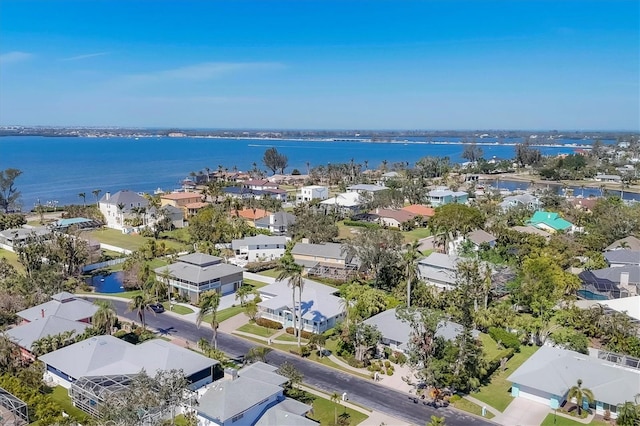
x=24 y=335
x=629 y=257
x=328 y=250
x=70 y=308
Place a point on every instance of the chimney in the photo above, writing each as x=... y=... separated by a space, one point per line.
x=42 y=310
x=624 y=284
x=230 y=373
x=305 y=241
x=107 y=196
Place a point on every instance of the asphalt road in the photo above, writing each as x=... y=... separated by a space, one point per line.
x=361 y=391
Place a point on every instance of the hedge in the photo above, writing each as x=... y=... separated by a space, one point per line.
x=348 y=222
x=507 y=339
x=261 y=266
x=304 y=334
x=264 y=322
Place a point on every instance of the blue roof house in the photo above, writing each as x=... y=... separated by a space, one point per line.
x=550 y=222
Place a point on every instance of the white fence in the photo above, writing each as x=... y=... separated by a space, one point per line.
x=114 y=248
x=95 y=266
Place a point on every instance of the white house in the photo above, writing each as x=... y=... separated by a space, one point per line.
x=312 y=192
x=550 y=372
x=345 y=203
x=321 y=309
x=260 y=248
x=120 y=206
x=362 y=188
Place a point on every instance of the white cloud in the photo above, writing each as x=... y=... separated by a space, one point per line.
x=200 y=72
x=86 y=56
x=13 y=57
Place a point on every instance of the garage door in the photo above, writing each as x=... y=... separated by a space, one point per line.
x=228 y=288
x=534 y=395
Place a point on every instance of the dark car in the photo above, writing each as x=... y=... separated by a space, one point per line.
x=157 y=308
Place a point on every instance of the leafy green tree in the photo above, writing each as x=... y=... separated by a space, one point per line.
x=362 y=301
x=105 y=317
x=580 y=394
x=436 y=421
x=453 y=220
x=209 y=303
x=315 y=226
x=628 y=414
x=9 y=194
x=472 y=152
x=12 y=220
x=243 y=293
x=275 y=161
x=141 y=303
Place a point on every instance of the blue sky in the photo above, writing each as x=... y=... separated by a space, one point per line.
x=543 y=64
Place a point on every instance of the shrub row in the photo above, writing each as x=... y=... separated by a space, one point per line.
x=304 y=334
x=261 y=266
x=274 y=325
x=352 y=361
x=494 y=364
x=348 y=222
x=507 y=339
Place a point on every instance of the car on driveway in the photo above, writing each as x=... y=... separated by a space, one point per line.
x=157 y=308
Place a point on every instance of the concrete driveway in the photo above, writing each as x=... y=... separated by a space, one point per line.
x=523 y=412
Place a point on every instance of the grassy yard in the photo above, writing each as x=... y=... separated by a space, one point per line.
x=225 y=314
x=325 y=411
x=254 y=283
x=178 y=309
x=12 y=258
x=415 y=234
x=129 y=241
x=273 y=273
x=563 y=421
x=490 y=347
x=60 y=395
x=258 y=330
x=288 y=338
x=126 y=294
x=470 y=407
x=496 y=393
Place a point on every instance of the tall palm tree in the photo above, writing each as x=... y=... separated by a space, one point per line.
x=292 y=272
x=84 y=198
x=105 y=317
x=140 y=304
x=209 y=303
x=580 y=394
x=96 y=193
x=121 y=211
x=409 y=258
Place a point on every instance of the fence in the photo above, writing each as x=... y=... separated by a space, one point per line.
x=95 y=266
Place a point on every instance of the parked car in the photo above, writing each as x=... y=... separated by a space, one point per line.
x=157 y=308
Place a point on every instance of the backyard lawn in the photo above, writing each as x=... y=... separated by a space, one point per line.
x=415 y=234
x=12 y=258
x=116 y=238
x=60 y=395
x=273 y=273
x=563 y=421
x=258 y=330
x=325 y=412
x=497 y=393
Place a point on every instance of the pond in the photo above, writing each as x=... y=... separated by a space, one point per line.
x=107 y=283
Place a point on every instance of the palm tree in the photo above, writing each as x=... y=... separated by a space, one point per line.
x=96 y=193
x=628 y=414
x=84 y=198
x=292 y=272
x=580 y=394
x=436 y=421
x=335 y=398
x=243 y=293
x=140 y=304
x=105 y=317
x=121 y=211
x=409 y=257
x=209 y=303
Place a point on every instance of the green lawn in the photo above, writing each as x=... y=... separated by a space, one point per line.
x=415 y=234
x=258 y=330
x=60 y=395
x=273 y=273
x=470 y=407
x=126 y=294
x=490 y=347
x=178 y=309
x=254 y=283
x=497 y=393
x=325 y=411
x=12 y=258
x=129 y=241
x=563 y=421
x=225 y=314
x=288 y=338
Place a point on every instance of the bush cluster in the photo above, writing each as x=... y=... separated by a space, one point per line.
x=507 y=339
x=349 y=222
x=264 y=322
x=304 y=334
x=261 y=266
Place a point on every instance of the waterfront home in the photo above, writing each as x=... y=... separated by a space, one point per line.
x=607 y=178
x=346 y=204
x=584 y=204
x=420 y=210
x=396 y=333
x=439 y=269
x=523 y=200
x=306 y=194
x=550 y=222
x=11 y=239
x=327 y=260
x=252 y=395
x=78 y=223
x=195 y=273
x=393 y=218
x=109 y=356
x=250 y=215
x=181 y=200
x=320 y=309
x=548 y=375
x=192 y=209
x=277 y=223
x=121 y=206
x=244 y=193
x=259 y=184
x=363 y=188
x=626 y=243
x=442 y=195
x=385 y=177
x=64 y=305
x=261 y=248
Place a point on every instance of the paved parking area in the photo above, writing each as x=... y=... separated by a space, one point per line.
x=523 y=412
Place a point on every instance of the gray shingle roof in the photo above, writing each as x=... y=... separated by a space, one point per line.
x=199 y=275
x=263 y=372
x=628 y=257
x=603 y=278
x=366 y=187
x=25 y=334
x=318 y=301
x=479 y=236
x=556 y=370
x=329 y=250
x=18 y=234
x=632 y=242
x=108 y=355
x=200 y=259
x=286 y=413
x=280 y=218
x=399 y=331
x=258 y=240
x=73 y=309
x=228 y=398
x=125 y=197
